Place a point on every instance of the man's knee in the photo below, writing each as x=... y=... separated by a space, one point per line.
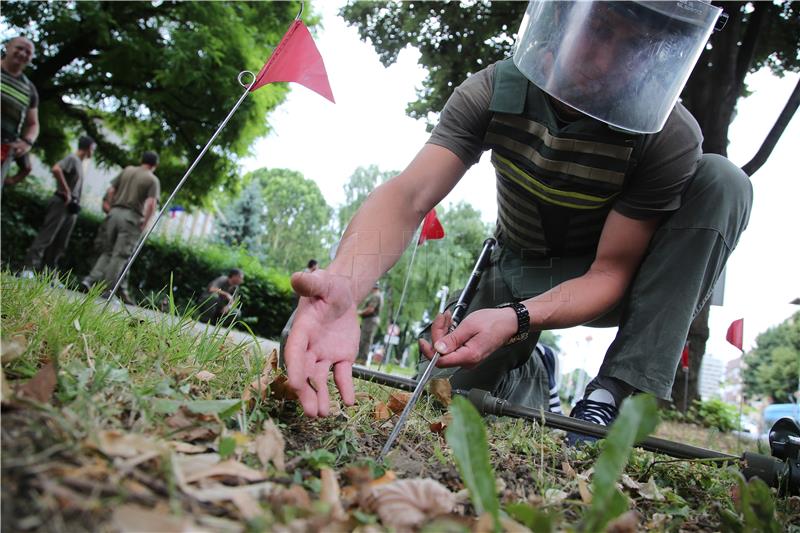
x=728 y=184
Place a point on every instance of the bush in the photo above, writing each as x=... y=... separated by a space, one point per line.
x=267 y=298
x=715 y=413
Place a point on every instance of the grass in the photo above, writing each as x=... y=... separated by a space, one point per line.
x=118 y=372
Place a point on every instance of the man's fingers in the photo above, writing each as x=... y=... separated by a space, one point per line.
x=426 y=348
x=458 y=337
x=308 y=399
x=343 y=376
x=466 y=356
x=440 y=325
x=295 y=357
x=320 y=381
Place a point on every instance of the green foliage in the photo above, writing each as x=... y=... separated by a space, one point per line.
x=240 y=223
x=771 y=368
x=715 y=413
x=637 y=418
x=533 y=518
x=267 y=299
x=467 y=438
x=755 y=509
x=550 y=339
x=295 y=225
x=161 y=75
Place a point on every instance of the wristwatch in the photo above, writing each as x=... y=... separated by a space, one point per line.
x=523 y=321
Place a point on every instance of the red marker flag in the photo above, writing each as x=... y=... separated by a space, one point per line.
x=736 y=333
x=431 y=228
x=685 y=357
x=296 y=59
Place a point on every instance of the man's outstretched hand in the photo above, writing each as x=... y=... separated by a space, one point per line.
x=324 y=334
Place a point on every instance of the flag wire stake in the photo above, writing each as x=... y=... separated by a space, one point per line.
x=144 y=237
x=402 y=296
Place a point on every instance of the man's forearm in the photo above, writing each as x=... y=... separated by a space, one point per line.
x=376 y=237
x=576 y=301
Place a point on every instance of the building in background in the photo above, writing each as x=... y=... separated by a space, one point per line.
x=711 y=373
x=732 y=387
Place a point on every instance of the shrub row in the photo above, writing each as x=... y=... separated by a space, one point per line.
x=267 y=298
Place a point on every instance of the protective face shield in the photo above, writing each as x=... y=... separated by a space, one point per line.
x=623 y=63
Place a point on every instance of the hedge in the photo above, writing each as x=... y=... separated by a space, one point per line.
x=267 y=298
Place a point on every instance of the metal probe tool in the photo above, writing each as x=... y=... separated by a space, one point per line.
x=458 y=314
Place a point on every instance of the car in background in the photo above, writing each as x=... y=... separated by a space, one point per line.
x=776 y=411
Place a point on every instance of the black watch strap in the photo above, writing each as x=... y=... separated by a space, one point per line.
x=523 y=321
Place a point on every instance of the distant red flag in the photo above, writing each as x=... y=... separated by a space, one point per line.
x=736 y=332
x=431 y=228
x=685 y=357
x=296 y=59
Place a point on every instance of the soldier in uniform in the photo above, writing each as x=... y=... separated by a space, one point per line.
x=608 y=212
x=370 y=316
x=62 y=210
x=132 y=197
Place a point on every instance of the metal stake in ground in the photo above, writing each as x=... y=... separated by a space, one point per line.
x=166 y=205
x=458 y=314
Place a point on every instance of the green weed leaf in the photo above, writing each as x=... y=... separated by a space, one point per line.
x=467 y=438
x=531 y=517
x=227 y=447
x=637 y=418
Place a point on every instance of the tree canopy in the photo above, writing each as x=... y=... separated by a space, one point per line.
x=771 y=368
x=153 y=75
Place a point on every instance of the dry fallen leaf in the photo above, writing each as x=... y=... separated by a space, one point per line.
x=185 y=447
x=650 y=491
x=630 y=483
x=12 y=348
x=442 y=390
x=553 y=496
x=205 y=376
x=294 y=496
x=193 y=426
x=438 y=426
x=226 y=469
x=115 y=443
x=132 y=518
x=485 y=524
x=568 y=470
x=397 y=401
x=362 y=396
x=330 y=494
x=281 y=390
x=583 y=489
x=381 y=412
x=247 y=505
x=625 y=523
x=40 y=387
x=269 y=446
x=408 y=502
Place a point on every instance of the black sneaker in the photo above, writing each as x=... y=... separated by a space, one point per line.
x=550 y=362
x=599 y=408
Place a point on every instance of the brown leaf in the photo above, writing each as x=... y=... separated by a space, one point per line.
x=408 y=503
x=226 y=469
x=40 y=387
x=650 y=491
x=294 y=496
x=583 y=489
x=568 y=470
x=272 y=360
x=330 y=494
x=205 y=376
x=381 y=412
x=442 y=390
x=185 y=447
x=247 y=505
x=132 y=518
x=362 y=396
x=625 y=523
x=12 y=348
x=357 y=475
x=115 y=443
x=441 y=424
x=281 y=390
x=193 y=426
x=397 y=401
x=269 y=446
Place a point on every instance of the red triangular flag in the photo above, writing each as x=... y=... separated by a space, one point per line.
x=685 y=356
x=736 y=332
x=296 y=59
x=431 y=228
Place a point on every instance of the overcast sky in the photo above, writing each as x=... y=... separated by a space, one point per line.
x=368 y=125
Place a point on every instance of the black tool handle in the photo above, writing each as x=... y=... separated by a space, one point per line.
x=471 y=288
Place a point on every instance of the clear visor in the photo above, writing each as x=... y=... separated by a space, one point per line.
x=624 y=63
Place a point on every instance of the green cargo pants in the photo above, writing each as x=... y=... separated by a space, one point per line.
x=53 y=237
x=675 y=279
x=117 y=239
